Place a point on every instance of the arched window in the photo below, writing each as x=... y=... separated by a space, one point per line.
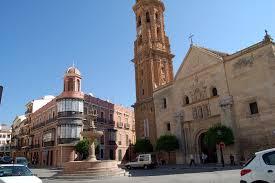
x=139 y=21
x=140 y=40
x=187 y=101
x=157 y=16
x=164 y=103
x=78 y=85
x=147 y=17
x=158 y=33
x=214 y=92
x=71 y=84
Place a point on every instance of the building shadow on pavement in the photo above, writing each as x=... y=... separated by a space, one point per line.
x=172 y=170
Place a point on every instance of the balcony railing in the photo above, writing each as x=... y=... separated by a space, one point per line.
x=51 y=120
x=24 y=132
x=35 y=146
x=49 y=143
x=101 y=120
x=38 y=126
x=70 y=114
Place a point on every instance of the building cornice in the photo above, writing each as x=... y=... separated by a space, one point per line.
x=163 y=87
x=247 y=50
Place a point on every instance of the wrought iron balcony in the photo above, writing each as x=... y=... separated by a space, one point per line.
x=49 y=143
x=51 y=120
x=38 y=126
x=70 y=114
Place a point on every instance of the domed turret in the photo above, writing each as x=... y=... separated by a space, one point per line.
x=73 y=71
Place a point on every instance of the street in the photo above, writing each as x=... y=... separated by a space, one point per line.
x=173 y=175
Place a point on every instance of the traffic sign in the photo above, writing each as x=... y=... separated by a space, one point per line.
x=222 y=145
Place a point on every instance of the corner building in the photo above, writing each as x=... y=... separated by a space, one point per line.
x=48 y=132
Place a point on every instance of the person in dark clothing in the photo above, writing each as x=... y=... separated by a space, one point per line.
x=192 y=160
x=232 y=160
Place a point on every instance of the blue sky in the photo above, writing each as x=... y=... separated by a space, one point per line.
x=40 y=39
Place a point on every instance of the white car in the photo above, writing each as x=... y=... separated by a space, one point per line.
x=143 y=161
x=260 y=168
x=15 y=173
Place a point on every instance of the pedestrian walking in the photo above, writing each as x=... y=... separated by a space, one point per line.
x=192 y=160
x=204 y=158
x=232 y=160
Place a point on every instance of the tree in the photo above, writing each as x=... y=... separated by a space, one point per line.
x=143 y=146
x=217 y=134
x=167 y=143
x=82 y=148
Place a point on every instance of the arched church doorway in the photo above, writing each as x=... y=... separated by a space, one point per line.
x=211 y=152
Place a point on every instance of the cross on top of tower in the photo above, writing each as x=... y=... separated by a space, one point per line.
x=267 y=37
x=191 y=39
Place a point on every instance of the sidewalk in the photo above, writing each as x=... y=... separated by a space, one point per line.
x=45 y=173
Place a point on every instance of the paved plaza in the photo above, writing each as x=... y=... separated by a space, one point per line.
x=160 y=175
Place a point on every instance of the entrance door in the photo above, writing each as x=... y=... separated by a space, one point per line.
x=211 y=152
x=111 y=154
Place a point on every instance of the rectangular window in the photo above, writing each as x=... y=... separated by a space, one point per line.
x=127 y=140
x=200 y=115
x=168 y=127
x=85 y=110
x=254 y=108
x=119 y=155
x=164 y=103
x=205 y=111
x=195 y=115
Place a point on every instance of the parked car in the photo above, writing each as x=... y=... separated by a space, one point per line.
x=6 y=160
x=21 y=161
x=143 y=161
x=260 y=168
x=15 y=173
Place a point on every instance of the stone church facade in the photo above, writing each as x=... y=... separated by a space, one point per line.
x=210 y=87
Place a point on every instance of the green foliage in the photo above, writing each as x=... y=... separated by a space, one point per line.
x=218 y=134
x=167 y=143
x=82 y=147
x=143 y=146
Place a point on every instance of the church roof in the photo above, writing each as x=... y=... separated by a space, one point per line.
x=218 y=53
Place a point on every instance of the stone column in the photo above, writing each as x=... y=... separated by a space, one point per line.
x=228 y=119
x=178 y=117
x=92 y=156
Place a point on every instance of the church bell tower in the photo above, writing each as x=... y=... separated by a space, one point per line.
x=153 y=63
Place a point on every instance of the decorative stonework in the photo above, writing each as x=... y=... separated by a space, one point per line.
x=244 y=62
x=198 y=90
x=226 y=101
